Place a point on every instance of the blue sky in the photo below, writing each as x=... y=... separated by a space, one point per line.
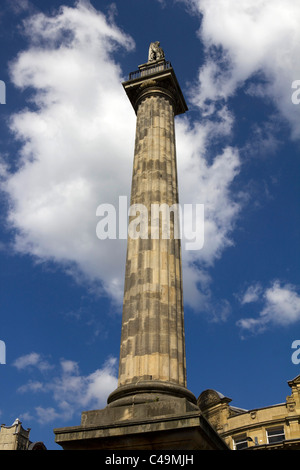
x=66 y=146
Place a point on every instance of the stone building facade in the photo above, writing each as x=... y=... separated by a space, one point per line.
x=15 y=437
x=275 y=427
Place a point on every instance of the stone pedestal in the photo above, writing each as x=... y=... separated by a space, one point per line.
x=162 y=424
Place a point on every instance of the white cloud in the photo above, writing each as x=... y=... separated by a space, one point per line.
x=281 y=307
x=71 y=160
x=70 y=391
x=46 y=415
x=31 y=386
x=247 y=38
x=249 y=44
x=206 y=183
x=32 y=360
x=251 y=294
x=282 y=304
x=84 y=391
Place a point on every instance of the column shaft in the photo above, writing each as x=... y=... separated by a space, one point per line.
x=152 y=340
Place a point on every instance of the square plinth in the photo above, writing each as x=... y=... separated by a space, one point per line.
x=169 y=425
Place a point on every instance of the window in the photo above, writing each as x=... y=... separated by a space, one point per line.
x=240 y=442
x=275 y=434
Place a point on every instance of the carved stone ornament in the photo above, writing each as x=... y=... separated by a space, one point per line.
x=155 y=52
x=290 y=404
x=148 y=83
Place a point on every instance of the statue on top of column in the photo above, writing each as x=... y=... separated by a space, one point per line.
x=155 y=52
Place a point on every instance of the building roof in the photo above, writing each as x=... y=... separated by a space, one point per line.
x=210 y=398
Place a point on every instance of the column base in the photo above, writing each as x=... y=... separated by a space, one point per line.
x=149 y=391
x=150 y=420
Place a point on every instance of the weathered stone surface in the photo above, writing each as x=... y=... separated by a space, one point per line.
x=152 y=342
x=160 y=425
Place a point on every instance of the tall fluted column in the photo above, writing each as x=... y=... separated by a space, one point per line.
x=152 y=342
x=152 y=353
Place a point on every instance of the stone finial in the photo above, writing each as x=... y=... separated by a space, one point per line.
x=155 y=52
x=16 y=422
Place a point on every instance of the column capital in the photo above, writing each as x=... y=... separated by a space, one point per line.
x=157 y=77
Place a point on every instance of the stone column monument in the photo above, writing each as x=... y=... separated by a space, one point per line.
x=151 y=407
x=152 y=356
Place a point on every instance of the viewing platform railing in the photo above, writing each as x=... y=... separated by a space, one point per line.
x=150 y=69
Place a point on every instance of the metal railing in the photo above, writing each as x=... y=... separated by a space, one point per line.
x=149 y=70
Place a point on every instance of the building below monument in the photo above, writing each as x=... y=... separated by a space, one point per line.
x=275 y=427
x=15 y=437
